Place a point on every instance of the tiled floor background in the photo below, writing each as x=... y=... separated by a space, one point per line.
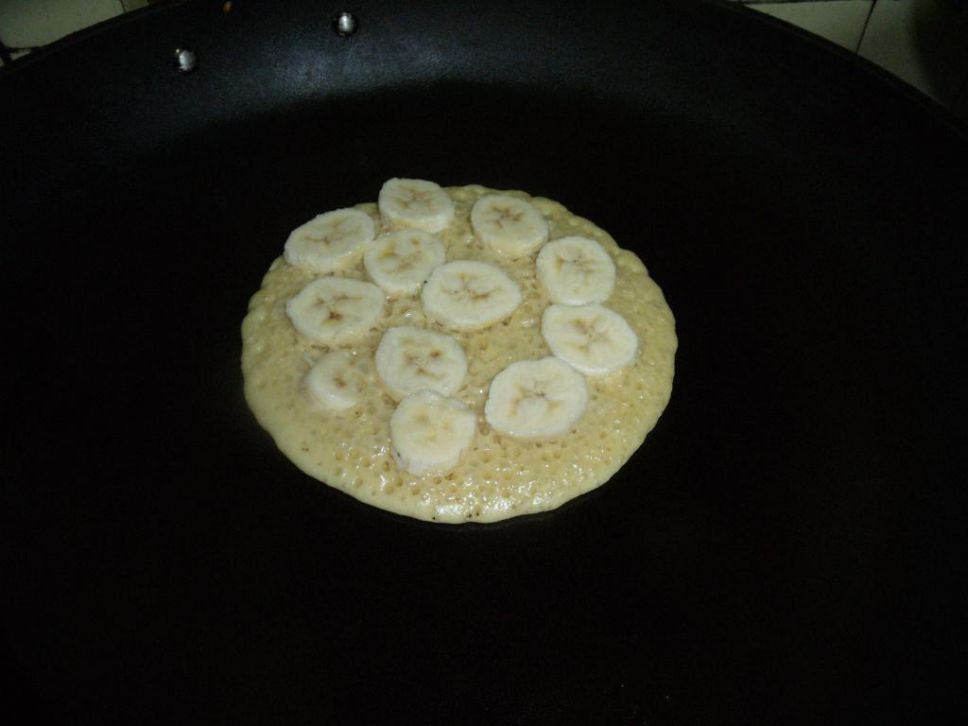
x=31 y=23
x=924 y=42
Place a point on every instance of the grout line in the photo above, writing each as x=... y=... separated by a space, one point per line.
x=863 y=31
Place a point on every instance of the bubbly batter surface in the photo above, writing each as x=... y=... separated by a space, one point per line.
x=498 y=476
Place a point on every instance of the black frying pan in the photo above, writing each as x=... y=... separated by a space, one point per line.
x=782 y=549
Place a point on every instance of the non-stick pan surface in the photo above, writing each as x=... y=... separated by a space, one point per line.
x=781 y=550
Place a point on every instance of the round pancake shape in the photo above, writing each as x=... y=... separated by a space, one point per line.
x=498 y=476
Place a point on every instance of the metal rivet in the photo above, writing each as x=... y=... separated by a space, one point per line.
x=344 y=23
x=185 y=60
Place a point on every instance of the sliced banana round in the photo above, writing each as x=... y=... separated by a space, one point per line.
x=416 y=203
x=468 y=295
x=335 y=310
x=414 y=359
x=334 y=383
x=331 y=241
x=536 y=398
x=592 y=338
x=575 y=271
x=400 y=262
x=429 y=432
x=510 y=226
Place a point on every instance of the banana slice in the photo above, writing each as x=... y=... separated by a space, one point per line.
x=412 y=359
x=576 y=271
x=468 y=295
x=429 y=432
x=333 y=383
x=536 y=398
x=416 y=203
x=510 y=226
x=331 y=241
x=592 y=338
x=400 y=262
x=335 y=310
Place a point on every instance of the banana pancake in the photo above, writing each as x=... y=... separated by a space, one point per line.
x=457 y=354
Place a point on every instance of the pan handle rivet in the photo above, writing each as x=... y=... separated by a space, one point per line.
x=185 y=60
x=344 y=23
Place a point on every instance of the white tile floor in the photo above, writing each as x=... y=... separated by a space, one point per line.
x=920 y=41
x=840 y=21
x=29 y=23
x=923 y=42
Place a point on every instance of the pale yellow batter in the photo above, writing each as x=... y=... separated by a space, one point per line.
x=498 y=476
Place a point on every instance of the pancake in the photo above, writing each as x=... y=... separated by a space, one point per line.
x=347 y=442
